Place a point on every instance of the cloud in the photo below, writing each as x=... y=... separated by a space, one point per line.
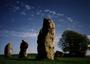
x=53 y=12
x=60 y=14
x=46 y=10
x=23 y=13
x=69 y=19
x=17 y=2
x=27 y=7
x=39 y=12
x=49 y=11
x=88 y=36
x=24 y=34
x=20 y=34
x=17 y=8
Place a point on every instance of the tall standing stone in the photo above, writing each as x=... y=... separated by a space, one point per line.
x=8 y=50
x=45 y=40
x=23 y=49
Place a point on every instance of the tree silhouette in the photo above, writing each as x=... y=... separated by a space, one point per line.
x=74 y=43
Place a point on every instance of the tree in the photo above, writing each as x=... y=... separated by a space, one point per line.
x=74 y=43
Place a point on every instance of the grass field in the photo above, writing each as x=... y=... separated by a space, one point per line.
x=31 y=60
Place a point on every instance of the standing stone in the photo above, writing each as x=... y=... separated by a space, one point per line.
x=45 y=40
x=8 y=50
x=23 y=48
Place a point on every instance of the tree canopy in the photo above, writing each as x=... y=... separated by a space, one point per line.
x=74 y=43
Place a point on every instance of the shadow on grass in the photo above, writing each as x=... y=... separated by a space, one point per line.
x=32 y=59
x=26 y=59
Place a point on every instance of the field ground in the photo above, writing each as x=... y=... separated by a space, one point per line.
x=31 y=60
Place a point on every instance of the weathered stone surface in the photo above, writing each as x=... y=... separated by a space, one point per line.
x=46 y=40
x=23 y=49
x=8 y=50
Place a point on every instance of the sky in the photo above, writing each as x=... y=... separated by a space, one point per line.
x=23 y=19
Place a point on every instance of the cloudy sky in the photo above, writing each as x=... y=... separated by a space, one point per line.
x=22 y=19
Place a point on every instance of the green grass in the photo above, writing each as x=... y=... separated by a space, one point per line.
x=31 y=60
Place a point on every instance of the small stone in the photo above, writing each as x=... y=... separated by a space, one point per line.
x=8 y=50
x=59 y=54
